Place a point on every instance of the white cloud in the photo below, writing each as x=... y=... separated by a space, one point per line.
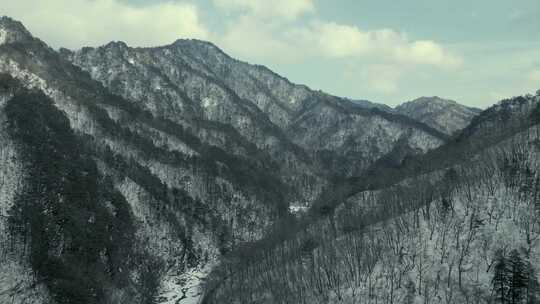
x=248 y=38
x=261 y=31
x=254 y=38
x=426 y=52
x=338 y=40
x=75 y=23
x=287 y=9
x=534 y=77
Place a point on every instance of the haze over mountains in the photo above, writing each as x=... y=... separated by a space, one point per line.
x=176 y=174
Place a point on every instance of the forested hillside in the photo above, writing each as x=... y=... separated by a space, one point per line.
x=178 y=174
x=467 y=232
x=444 y=115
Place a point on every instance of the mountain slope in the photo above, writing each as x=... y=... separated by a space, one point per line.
x=198 y=167
x=444 y=115
x=368 y=104
x=214 y=86
x=16 y=277
x=128 y=173
x=348 y=139
x=440 y=234
x=191 y=201
x=490 y=127
x=172 y=86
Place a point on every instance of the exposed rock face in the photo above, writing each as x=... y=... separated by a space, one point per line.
x=444 y=115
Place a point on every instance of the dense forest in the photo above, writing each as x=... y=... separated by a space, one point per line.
x=461 y=233
x=79 y=228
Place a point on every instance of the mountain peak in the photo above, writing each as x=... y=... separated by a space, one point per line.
x=12 y=31
x=189 y=41
x=116 y=45
x=445 y=115
x=433 y=100
x=198 y=46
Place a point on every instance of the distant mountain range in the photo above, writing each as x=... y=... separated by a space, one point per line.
x=444 y=115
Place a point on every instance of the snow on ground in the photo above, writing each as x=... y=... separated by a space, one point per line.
x=184 y=288
x=17 y=284
x=298 y=209
x=3 y=36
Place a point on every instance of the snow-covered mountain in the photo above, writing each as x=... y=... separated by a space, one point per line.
x=368 y=104
x=456 y=225
x=444 y=115
x=159 y=175
x=200 y=151
x=196 y=80
x=178 y=202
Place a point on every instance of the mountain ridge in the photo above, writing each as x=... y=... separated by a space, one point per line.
x=445 y=115
x=271 y=93
x=399 y=218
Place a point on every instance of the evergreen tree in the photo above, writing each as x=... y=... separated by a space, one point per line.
x=500 y=278
x=411 y=292
x=533 y=287
x=518 y=278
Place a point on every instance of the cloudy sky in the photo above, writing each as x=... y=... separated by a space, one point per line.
x=388 y=51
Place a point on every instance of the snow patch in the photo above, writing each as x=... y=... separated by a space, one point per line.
x=18 y=285
x=298 y=207
x=3 y=36
x=209 y=102
x=185 y=288
x=29 y=79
